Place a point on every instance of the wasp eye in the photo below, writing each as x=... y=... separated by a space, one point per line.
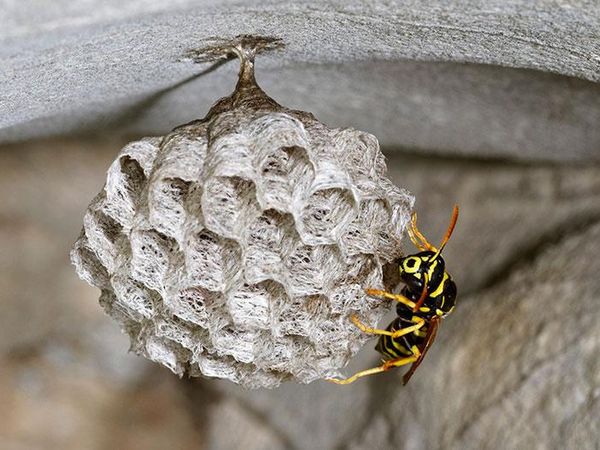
x=411 y=264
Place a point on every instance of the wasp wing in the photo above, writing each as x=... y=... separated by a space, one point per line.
x=432 y=328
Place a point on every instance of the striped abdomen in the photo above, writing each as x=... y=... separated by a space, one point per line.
x=400 y=347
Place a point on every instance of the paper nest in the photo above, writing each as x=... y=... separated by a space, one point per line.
x=237 y=246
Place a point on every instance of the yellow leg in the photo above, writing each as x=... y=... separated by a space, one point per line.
x=417 y=237
x=393 y=334
x=383 y=368
x=415 y=241
x=356 y=376
x=399 y=298
x=402 y=361
x=407 y=330
x=366 y=329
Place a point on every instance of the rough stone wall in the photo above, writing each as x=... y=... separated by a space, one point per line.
x=67 y=67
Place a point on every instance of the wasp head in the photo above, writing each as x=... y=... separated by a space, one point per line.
x=415 y=269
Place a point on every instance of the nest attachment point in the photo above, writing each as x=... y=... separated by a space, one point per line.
x=238 y=245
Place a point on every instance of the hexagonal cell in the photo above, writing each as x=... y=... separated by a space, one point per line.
x=228 y=203
x=296 y=316
x=301 y=174
x=237 y=343
x=165 y=352
x=317 y=305
x=388 y=245
x=363 y=234
x=123 y=188
x=126 y=317
x=144 y=152
x=166 y=206
x=218 y=366
x=193 y=208
x=231 y=155
x=325 y=216
x=398 y=200
x=211 y=261
x=102 y=233
x=363 y=269
x=179 y=331
x=88 y=265
x=283 y=175
x=311 y=270
x=190 y=304
x=274 y=354
x=267 y=241
x=334 y=334
x=182 y=156
x=346 y=298
x=150 y=256
x=290 y=318
x=273 y=188
x=135 y=296
x=360 y=154
x=250 y=305
x=276 y=140
x=274 y=131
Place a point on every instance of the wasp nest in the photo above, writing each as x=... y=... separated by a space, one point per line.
x=238 y=245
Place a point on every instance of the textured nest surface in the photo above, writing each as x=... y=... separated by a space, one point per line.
x=237 y=245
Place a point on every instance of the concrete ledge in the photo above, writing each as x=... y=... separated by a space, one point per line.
x=71 y=70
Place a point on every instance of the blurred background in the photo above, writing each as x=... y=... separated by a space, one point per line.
x=516 y=366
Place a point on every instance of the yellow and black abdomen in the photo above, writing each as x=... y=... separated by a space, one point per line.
x=400 y=347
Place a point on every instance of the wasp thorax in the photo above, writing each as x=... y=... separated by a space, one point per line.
x=441 y=290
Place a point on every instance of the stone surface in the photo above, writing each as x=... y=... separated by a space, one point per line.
x=312 y=416
x=37 y=212
x=250 y=432
x=75 y=67
x=59 y=403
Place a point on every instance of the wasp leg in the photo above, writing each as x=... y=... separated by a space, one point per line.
x=356 y=376
x=402 y=361
x=383 y=368
x=417 y=237
x=366 y=329
x=393 y=334
x=399 y=298
x=408 y=330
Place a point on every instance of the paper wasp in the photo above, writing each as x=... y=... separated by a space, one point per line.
x=428 y=296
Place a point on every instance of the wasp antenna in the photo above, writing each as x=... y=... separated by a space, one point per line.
x=423 y=296
x=451 y=226
x=449 y=231
x=417 y=237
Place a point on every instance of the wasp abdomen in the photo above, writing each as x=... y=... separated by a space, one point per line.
x=401 y=346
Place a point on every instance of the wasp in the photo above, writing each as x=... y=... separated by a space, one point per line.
x=428 y=295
